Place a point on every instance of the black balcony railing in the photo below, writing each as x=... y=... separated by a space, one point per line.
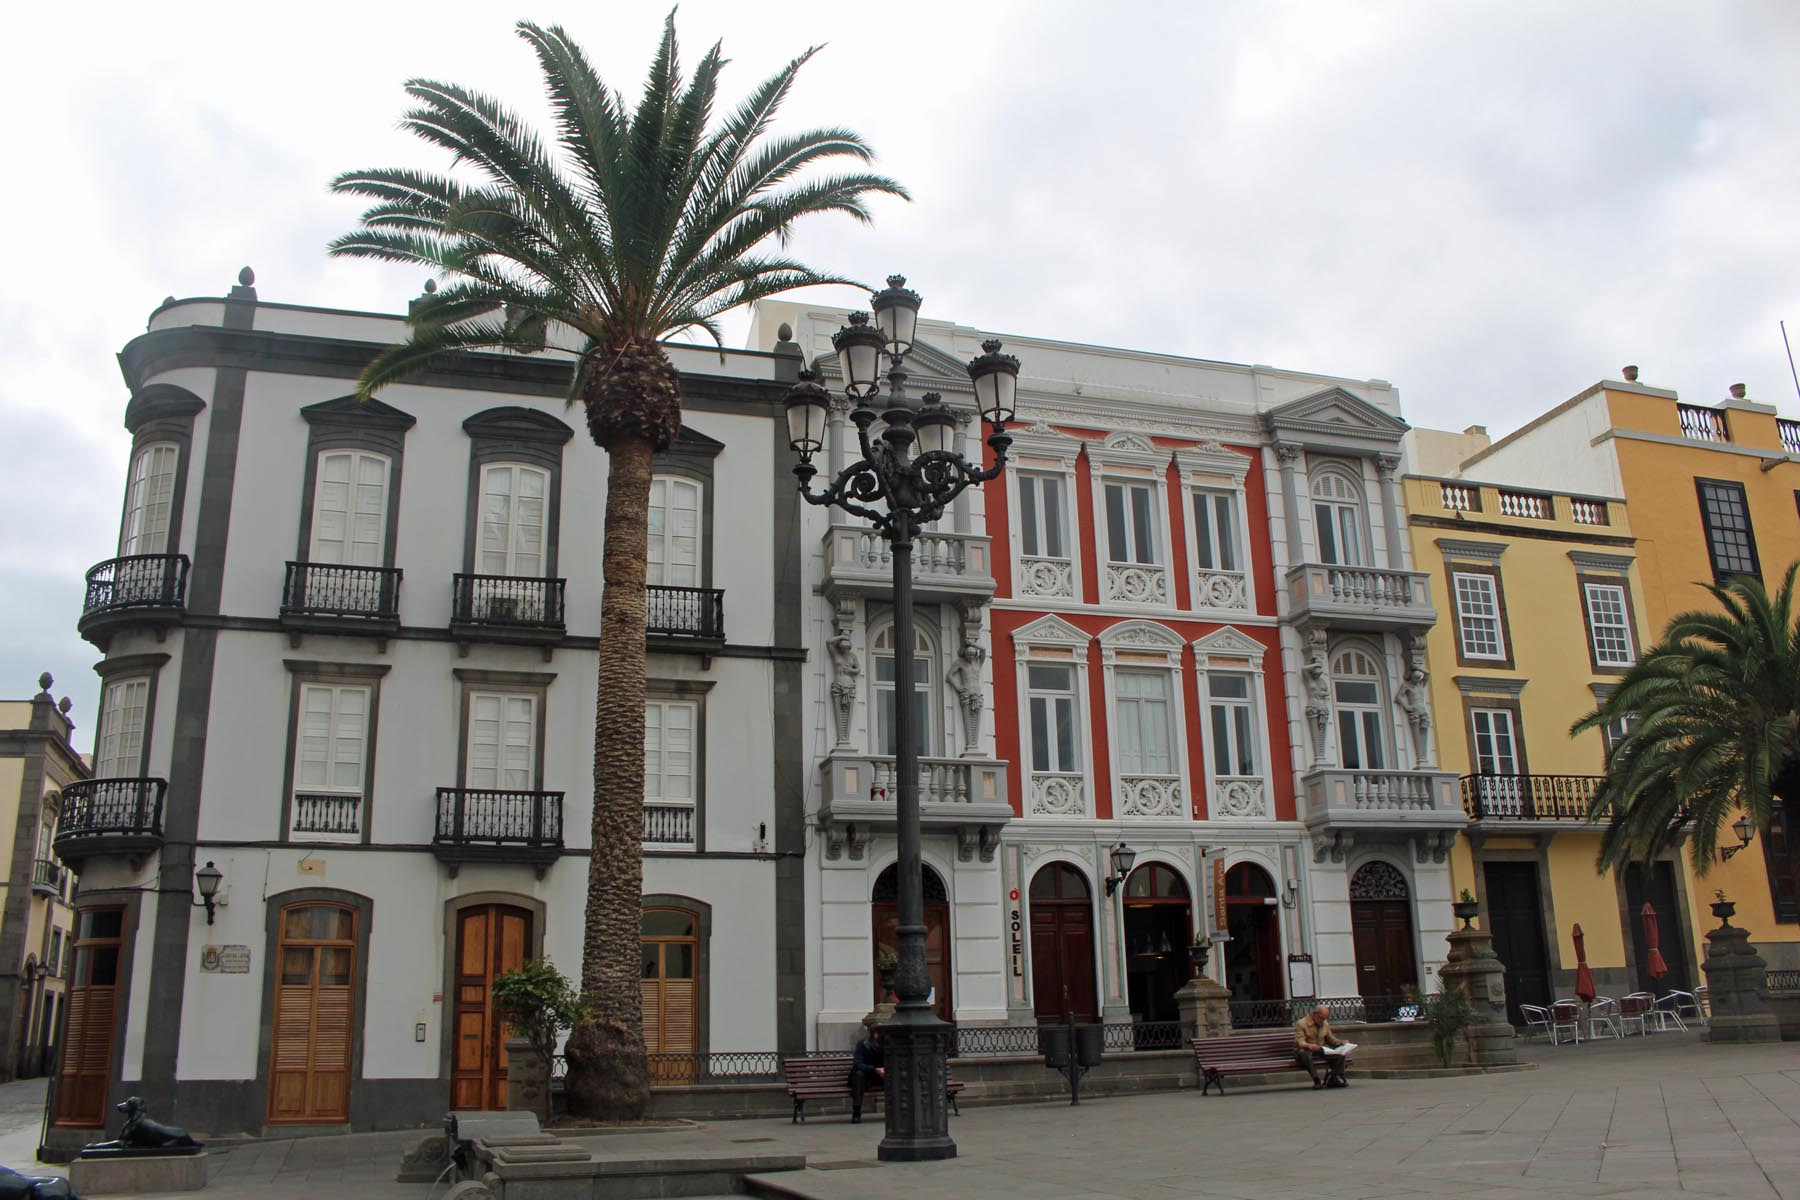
x=47 y=875
x=506 y=602
x=1784 y=981
x=338 y=590
x=1529 y=797
x=137 y=581
x=1339 y=1010
x=467 y=816
x=685 y=612
x=335 y=814
x=112 y=806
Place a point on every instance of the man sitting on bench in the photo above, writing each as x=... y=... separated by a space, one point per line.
x=865 y=1067
x=1311 y=1036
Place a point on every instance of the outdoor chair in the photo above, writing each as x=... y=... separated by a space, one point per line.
x=1678 y=1006
x=1565 y=1018
x=1635 y=1010
x=1603 y=1018
x=1703 y=997
x=1537 y=1020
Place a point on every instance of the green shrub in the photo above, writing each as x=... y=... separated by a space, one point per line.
x=1448 y=1011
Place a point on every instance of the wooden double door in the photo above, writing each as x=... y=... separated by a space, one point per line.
x=1515 y=916
x=1381 y=928
x=489 y=939
x=1062 y=946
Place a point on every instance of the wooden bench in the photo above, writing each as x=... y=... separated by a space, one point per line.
x=1243 y=1054
x=827 y=1077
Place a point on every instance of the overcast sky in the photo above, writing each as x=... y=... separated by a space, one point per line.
x=1492 y=205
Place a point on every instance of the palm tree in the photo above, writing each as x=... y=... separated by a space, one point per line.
x=637 y=224
x=1712 y=724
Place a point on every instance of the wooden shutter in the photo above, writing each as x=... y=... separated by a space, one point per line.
x=86 y=1057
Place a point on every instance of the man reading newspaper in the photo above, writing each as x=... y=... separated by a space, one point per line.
x=1315 y=1044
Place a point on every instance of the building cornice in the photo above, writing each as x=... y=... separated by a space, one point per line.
x=1489 y=685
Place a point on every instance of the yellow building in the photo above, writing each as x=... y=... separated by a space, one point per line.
x=36 y=762
x=1711 y=491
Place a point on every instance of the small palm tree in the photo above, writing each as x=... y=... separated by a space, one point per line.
x=1711 y=719
x=639 y=223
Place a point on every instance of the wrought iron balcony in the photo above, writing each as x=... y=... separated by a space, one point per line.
x=1360 y=597
x=964 y=796
x=1344 y=806
x=685 y=613
x=110 y=816
x=505 y=608
x=139 y=589
x=47 y=876
x=333 y=815
x=668 y=826
x=946 y=566
x=1564 y=799
x=340 y=597
x=498 y=826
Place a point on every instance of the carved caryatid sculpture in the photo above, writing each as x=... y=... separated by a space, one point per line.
x=964 y=678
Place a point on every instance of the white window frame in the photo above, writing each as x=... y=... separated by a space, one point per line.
x=1131 y=460
x=150 y=500
x=334 y=736
x=1146 y=645
x=1041 y=450
x=656 y=725
x=1037 y=525
x=925 y=694
x=1465 y=614
x=1230 y=651
x=357 y=457
x=657 y=570
x=1501 y=790
x=1384 y=724
x=1356 y=503
x=1061 y=795
x=1621 y=629
x=510 y=717
x=512 y=551
x=1051 y=698
x=1212 y=470
x=124 y=723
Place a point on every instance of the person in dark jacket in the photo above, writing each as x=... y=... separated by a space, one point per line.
x=866 y=1067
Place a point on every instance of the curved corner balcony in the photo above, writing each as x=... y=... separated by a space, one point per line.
x=102 y=817
x=139 y=590
x=1360 y=597
x=946 y=566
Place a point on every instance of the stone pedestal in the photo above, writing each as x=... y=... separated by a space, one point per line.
x=1205 y=1008
x=527 y=1078
x=1737 y=984
x=1472 y=965
x=129 y=1174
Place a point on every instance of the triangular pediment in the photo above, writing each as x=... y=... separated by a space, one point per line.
x=348 y=410
x=1335 y=409
x=1049 y=631
x=1229 y=643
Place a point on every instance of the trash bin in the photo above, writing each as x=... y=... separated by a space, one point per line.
x=1053 y=1044
x=1089 y=1045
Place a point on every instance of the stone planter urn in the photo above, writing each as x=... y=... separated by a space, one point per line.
x=1466 y=911
x=1724 y=909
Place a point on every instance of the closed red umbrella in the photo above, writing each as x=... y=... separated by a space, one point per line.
x=1584 y=978
x=1654 y=966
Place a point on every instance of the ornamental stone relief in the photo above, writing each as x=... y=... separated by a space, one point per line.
x=1058 y=796
x=1221 y=589
x=1149 y=796
x=1052 y=577
x=1241 y=798
x=1137 y=584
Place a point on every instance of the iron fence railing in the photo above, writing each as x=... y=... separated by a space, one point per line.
x=1340 y=1010
x=137 y=581
x=668 y=824
x=1529 y=797
x=1784 y=981
x=47 y=875
x=723 y=1066
x=466 y=815
x=339 y=590
x=506 y=602
x=1701 y=424
x=1790 y=435
x=685 y=612
x=327 y=812
x=119 y=806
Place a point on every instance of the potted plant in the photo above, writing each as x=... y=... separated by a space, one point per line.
x=886 y=963
x=537 y=1002
x=1721 y=907
x=1466 y=908
x=1449 y=1012
x=1201 y=951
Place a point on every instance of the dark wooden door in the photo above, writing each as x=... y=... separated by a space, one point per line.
x=489 y=939
x=1062 y=961
x=1659 y=890
x=1382 y=930
x=1515 y=916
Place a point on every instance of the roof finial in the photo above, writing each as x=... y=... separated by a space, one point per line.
x=44 y=681
x=247 y=277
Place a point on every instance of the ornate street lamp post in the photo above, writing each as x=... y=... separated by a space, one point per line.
x=911 y=470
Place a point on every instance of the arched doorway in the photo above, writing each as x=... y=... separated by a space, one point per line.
x=884 y=909
x=1381 y=924
x=490 y=938
x=669 y=992
x=1062 y=945
x=1158 y=930
x=315 y=1015
x=1253 y=956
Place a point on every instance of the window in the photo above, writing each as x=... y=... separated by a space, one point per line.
x=1145 y=727
x=1131 y=523
x=1233 y=724
x=119 y=750
x=502 y=751
x=349 y=523
x=1495 y=737
x=1613 y=732
x=1041 y=516
x=1050 y=693
x=885 y=679
x=1362 y=736
x=1478 y=615
x=1725 y=515
x=670 y=741
x=1215 y=531
x=1609 y=624
x=674 y=543
x=1337 y=519
x=330 y=758
x=513 y=501
x=149 y=499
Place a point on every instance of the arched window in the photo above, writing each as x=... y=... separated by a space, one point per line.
x=1337 y=518
x=924 y=654
x=1356 y=681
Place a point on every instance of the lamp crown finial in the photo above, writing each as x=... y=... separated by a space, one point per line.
x=896 y=281
x=859 y=318
x=992 y=345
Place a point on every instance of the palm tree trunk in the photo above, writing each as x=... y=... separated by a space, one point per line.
x=609 y=1077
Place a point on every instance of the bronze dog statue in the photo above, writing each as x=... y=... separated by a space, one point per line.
x=141 y=1133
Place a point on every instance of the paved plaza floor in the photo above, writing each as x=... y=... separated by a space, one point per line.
x=1664 y=1116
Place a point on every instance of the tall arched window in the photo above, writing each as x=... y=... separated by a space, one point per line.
x=1356 y=681
x=1337 y=518
x=924 y=654
x=149 y=499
